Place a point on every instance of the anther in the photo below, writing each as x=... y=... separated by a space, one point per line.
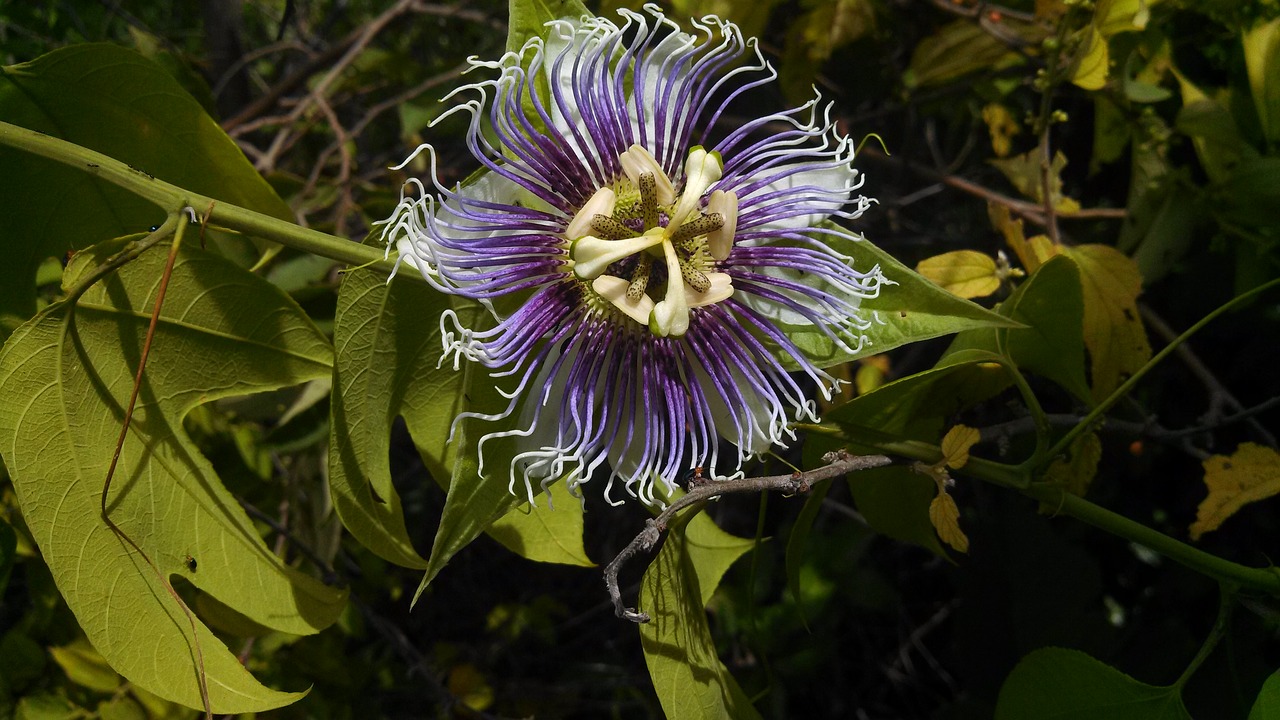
x=609 y=228
x=694 y=277
x=639 y=280
x=700 y=226
x=649 y=200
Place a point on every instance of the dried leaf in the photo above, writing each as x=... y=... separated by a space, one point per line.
x=1024 y=172
x=956 y=444
x=1002 y=126
x=1249 y=475
x=1032 y=252
x=965 y=273
x=945 y=517
x=1113 y=330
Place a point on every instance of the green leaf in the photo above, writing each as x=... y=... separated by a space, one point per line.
x=65 y=379
x=1060 y=684
x=687 y=674
x=895 y=501
x=477 y=495
x=912 y=310
x=528 y=18
x=1251 y=193
x=113 y=100
x=549 y=532
x=1050 y=305
x=915 y=406
x=85 y=667
x=1267 y=706
x=387 y=347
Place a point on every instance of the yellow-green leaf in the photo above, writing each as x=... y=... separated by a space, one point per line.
x=1032 y=252
x=1092 y=60
x=957 y=49
x=1250 y=474
x=1116 y=16
x=1262 y=58
x=550 y=531
x=64 y=381
x=690 y=680
x=1113 y=330
x=945 y=517
x=966 y=273
x=956 y=444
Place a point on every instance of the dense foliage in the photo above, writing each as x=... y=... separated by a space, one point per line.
x=1076 y=522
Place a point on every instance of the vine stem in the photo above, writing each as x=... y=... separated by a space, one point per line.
x=1101 y=408
x=166 y=196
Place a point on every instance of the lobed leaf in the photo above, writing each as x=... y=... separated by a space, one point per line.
x=113 y=100
x=1113 y=330
x=65 y=378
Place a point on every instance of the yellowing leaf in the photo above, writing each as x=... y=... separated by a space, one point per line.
x=966 y=273
x=1002 y=126
x=1249 y=475
x=1117 y=16
x=956 y=444
x=468 y=685
x=1113 y=330
x=945 y=517
x=1024 y=172
x=1092 y=61
x=1075 y=472
x=1033 y=252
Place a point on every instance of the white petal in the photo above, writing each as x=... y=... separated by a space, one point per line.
x=636 y=161
x=670 y=317
x=614 y=289
x=720 y=242
x=602 y=203
x=721 y=289
x=701 y=171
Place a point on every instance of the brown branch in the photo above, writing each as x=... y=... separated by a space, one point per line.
x=1032 y=212
x=838 y=463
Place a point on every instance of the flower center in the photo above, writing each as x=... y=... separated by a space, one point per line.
x=625 y=238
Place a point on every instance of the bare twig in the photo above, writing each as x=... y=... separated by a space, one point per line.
x=1219 y=395
x=838 y=463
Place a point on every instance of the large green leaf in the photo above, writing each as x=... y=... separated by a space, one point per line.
x=687 y=674
x=1050 y=305
x=913 y=309
x=1060 y=684
x=113 y=100
x=65 y=378
x=387 y=346
x=895 y=502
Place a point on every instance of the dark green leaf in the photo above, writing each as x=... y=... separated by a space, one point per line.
x=115 y=101
x=798 y=542
x=895 y=502
x=1060 y=684
x=1267 y=706
x=1051 y=307
x=912 y=310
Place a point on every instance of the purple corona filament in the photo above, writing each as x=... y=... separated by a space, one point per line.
x=656 y=262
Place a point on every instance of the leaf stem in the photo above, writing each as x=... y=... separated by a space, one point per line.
x=168 y=196
x=1101 y=408
x=1225 y=605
